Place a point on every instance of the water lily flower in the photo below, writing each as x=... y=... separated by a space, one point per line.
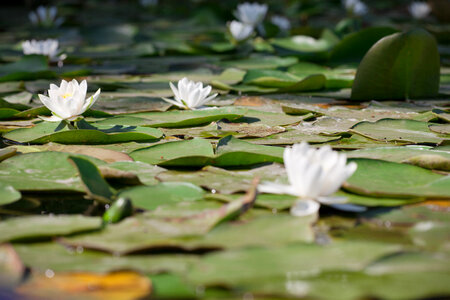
x=48 y=47
x=355 y=7
x=281 y=22
x=45 y=16
x=313 y=175
x=190 y=94
x=68 y=101
x=419 y=10
x=240 y=31
x=251 y=13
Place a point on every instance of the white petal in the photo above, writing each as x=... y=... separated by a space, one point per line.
x=90 y=101
x=174 y=102
x=276 y=188
x=303 y=208
x=175 y=91
x=53 y=118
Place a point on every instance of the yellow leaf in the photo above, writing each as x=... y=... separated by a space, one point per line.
x=124 y=285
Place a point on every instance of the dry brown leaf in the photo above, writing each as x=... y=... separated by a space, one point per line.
x=123 y=285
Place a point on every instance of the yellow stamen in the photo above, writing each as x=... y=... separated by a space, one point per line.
x=67 y=95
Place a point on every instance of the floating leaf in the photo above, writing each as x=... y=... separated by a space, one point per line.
x=391 y=130
x=150 y=197
x=95 y=186
x=8 y=194
x=42 y=171
x=38 y=227
x=388 y=179
x=176 y=118
x=45 y=132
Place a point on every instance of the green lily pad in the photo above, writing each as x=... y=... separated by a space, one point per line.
x=396 y=154
x=43 y=256
x=198 y=152
x=241 y=267
x=225 y=181
x=29 y=67
x=392 y=130
x=150 y=197
x=176 y=118
x=42 y=171
x=7 y=113
x=38 y=227
x=378 y=178
x=8 y=194
x=45 y=132
x=145 y=172
x=260 y=62
x=163 y=228
x=94 y=184
x=399 y=66
x=193 y=152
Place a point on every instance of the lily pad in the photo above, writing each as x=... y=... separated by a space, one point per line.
x=42 y=171
x=45 y=132
x=38 y=227
x=388 y=179
x=154 y=229
x=392 y=130
x=176 y=118
x=8 y=194
x=150 y=197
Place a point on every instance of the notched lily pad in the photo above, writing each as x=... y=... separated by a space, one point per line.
x=45 y=132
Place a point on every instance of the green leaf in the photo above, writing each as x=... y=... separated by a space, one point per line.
x=260 y=62
x=399 y=66
x=195 y=152
x=8 y=194
x=234 y=152
x=354 y=46
x=39 y=227
x=45 y=132
x=28 y=67
x=7 y=113
x=42 y=171
x=43 y=256
x=378 y=178
x=164 y=228
x=242 y=267
x=95 y=186
x=145 y=172
x=394 y=130
x=396 y=154
x=176 y=118
x=150 y=197
x=199 y=152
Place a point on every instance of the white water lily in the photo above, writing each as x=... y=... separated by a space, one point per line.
x=281 y=22
x=355 y=7
x=45 y=16
x=68 y=101
x=240 y=31
x=48 y=47
x=190 y=94
x=313 y=175
x=251 y=13
x=419 y=10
